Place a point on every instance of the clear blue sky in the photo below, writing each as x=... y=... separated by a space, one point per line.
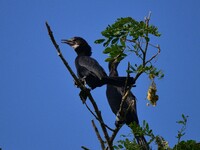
x=39 y=105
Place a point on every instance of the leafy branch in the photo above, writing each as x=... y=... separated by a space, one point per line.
x=126 y=36
x=130 y=143
x=181 y=132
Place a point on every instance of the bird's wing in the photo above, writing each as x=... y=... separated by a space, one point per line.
x=91 y=66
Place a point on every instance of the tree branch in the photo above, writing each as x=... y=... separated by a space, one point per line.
x=102 y=124
x=98 y=135
x=97 y=117
x=114 y=133
x=154 y=56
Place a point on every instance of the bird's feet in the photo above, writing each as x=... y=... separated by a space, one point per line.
x=84 y=94
x=81 y=80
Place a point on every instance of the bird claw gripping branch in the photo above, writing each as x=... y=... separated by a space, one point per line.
x=84 y=94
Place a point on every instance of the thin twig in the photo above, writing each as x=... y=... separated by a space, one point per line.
x=154 y=56
x=144 y=51
x=85 y=148
x=97 y=117
x=98 y=135
x=101 y=122
x=114 y=133
x=147 y=19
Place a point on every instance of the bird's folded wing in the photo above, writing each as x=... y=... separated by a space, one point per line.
x=92 y=66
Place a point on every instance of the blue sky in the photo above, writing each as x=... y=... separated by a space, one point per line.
x=39 y=105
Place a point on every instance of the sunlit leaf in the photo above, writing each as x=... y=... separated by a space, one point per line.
x=99 y=41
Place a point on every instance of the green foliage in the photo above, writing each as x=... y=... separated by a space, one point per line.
x=127 y=36
x=115 y=51
x=187 y=145
x=127 y=27
x=182 y=122
x=129 y=143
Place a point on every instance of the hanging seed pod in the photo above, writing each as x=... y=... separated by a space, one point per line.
x=151 y=94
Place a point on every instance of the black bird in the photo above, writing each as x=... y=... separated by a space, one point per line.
x=89 y=69
x=114 y=95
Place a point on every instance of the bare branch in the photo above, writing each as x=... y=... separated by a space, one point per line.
x=102 y=124
x=85 y=148
x=154 y=56
x=98 y=135
x=147 y=19
x=114 y=133
x=97 y=117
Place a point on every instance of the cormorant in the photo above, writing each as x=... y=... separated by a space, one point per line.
x=114 y=95
x=89 y=69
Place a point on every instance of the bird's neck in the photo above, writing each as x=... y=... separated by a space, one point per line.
x=113 y=69
x=113 y=73
x=84 y=50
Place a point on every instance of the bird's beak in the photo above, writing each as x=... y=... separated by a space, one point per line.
x=69 y=42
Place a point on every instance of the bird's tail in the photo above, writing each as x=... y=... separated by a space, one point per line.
x=142 y=142
x=119 y=81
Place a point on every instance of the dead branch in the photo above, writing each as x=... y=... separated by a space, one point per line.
x=98 y=135
x=97 y=117
x=154 y=56
x=116 y=130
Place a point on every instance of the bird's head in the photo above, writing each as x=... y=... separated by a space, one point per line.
x=79 y=44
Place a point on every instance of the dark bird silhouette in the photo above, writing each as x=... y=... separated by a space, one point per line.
x=88 y=69
x=129 y=112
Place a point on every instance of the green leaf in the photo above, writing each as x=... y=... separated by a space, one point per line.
x=122 y=41
x=107 y=50
x=184 y=117
x=114 y=41
x=99 y=41
x=120 y=146
x=180 y=122
x=109 y=59
x=187 y=145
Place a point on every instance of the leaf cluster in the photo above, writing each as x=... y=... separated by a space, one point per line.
x=162 y=144
x=182 y=122
x=187 y=145
x=126 y=144
x=131 y=144
x=127 y=36
x=127 y=27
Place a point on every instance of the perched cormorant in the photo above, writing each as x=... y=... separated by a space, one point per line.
x=129 y=112
x=89 y=69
